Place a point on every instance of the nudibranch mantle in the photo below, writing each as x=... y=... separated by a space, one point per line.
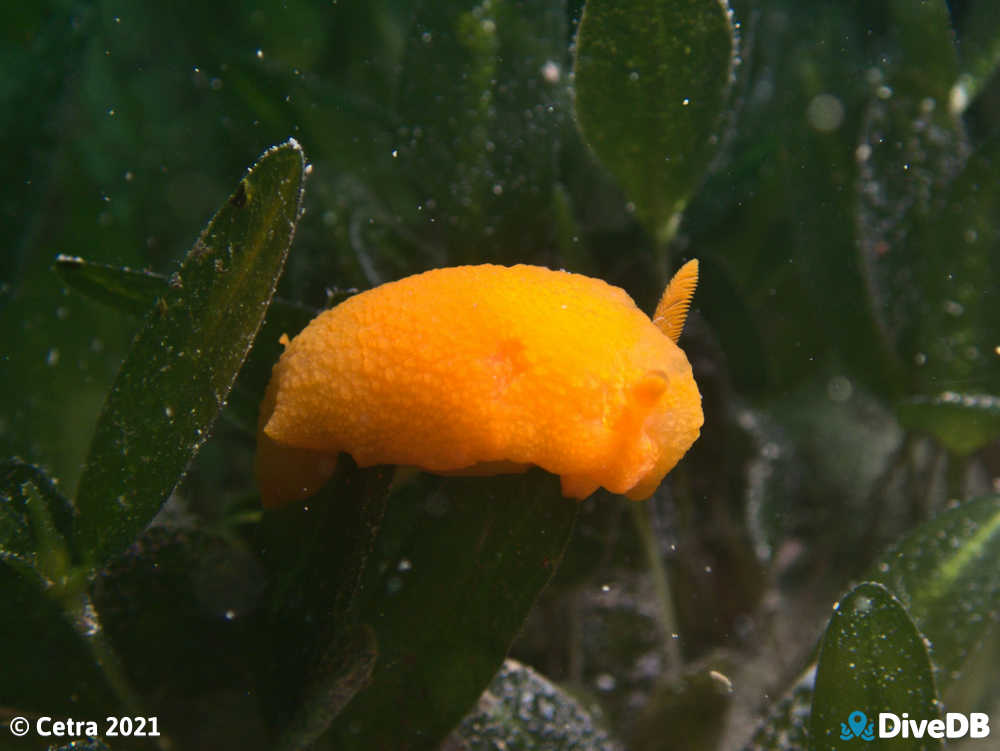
x=485 y=369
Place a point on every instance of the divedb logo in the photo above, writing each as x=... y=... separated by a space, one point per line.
x=954 y=725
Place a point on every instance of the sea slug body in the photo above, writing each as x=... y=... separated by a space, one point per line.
x=485 y=369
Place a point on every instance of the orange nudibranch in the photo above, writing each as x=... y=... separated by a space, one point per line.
x=485 y=369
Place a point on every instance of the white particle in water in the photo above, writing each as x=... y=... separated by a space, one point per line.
x=825 y=113
x=839 y=389
x=958 y=99
x=605 y=682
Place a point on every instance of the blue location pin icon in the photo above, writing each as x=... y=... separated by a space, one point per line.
x=857 y=720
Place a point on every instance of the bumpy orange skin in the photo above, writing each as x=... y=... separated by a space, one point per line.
x=481 y=369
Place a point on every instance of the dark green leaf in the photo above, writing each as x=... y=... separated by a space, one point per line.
x=922 y=192
x=135 y=292
x=872 y=659
x=778 y=214
x=522 y=711
x=36 y=519
x=955 y=330
x=283 y=317
x=923 y=60
x=962 y=423
x=945 y=574
x=44 y=664
x=277 y=639
x=125 y=289
x=15 y=531
x=459 y=563
x=939 y=315
x=483 y=105
x=182 y=365
x=339 y=673
x=33 y=94
x=979 y=49
x=197 y=596
x=317 y=552
x=652 y=84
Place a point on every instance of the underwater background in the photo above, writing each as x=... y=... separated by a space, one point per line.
x=832 y=166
